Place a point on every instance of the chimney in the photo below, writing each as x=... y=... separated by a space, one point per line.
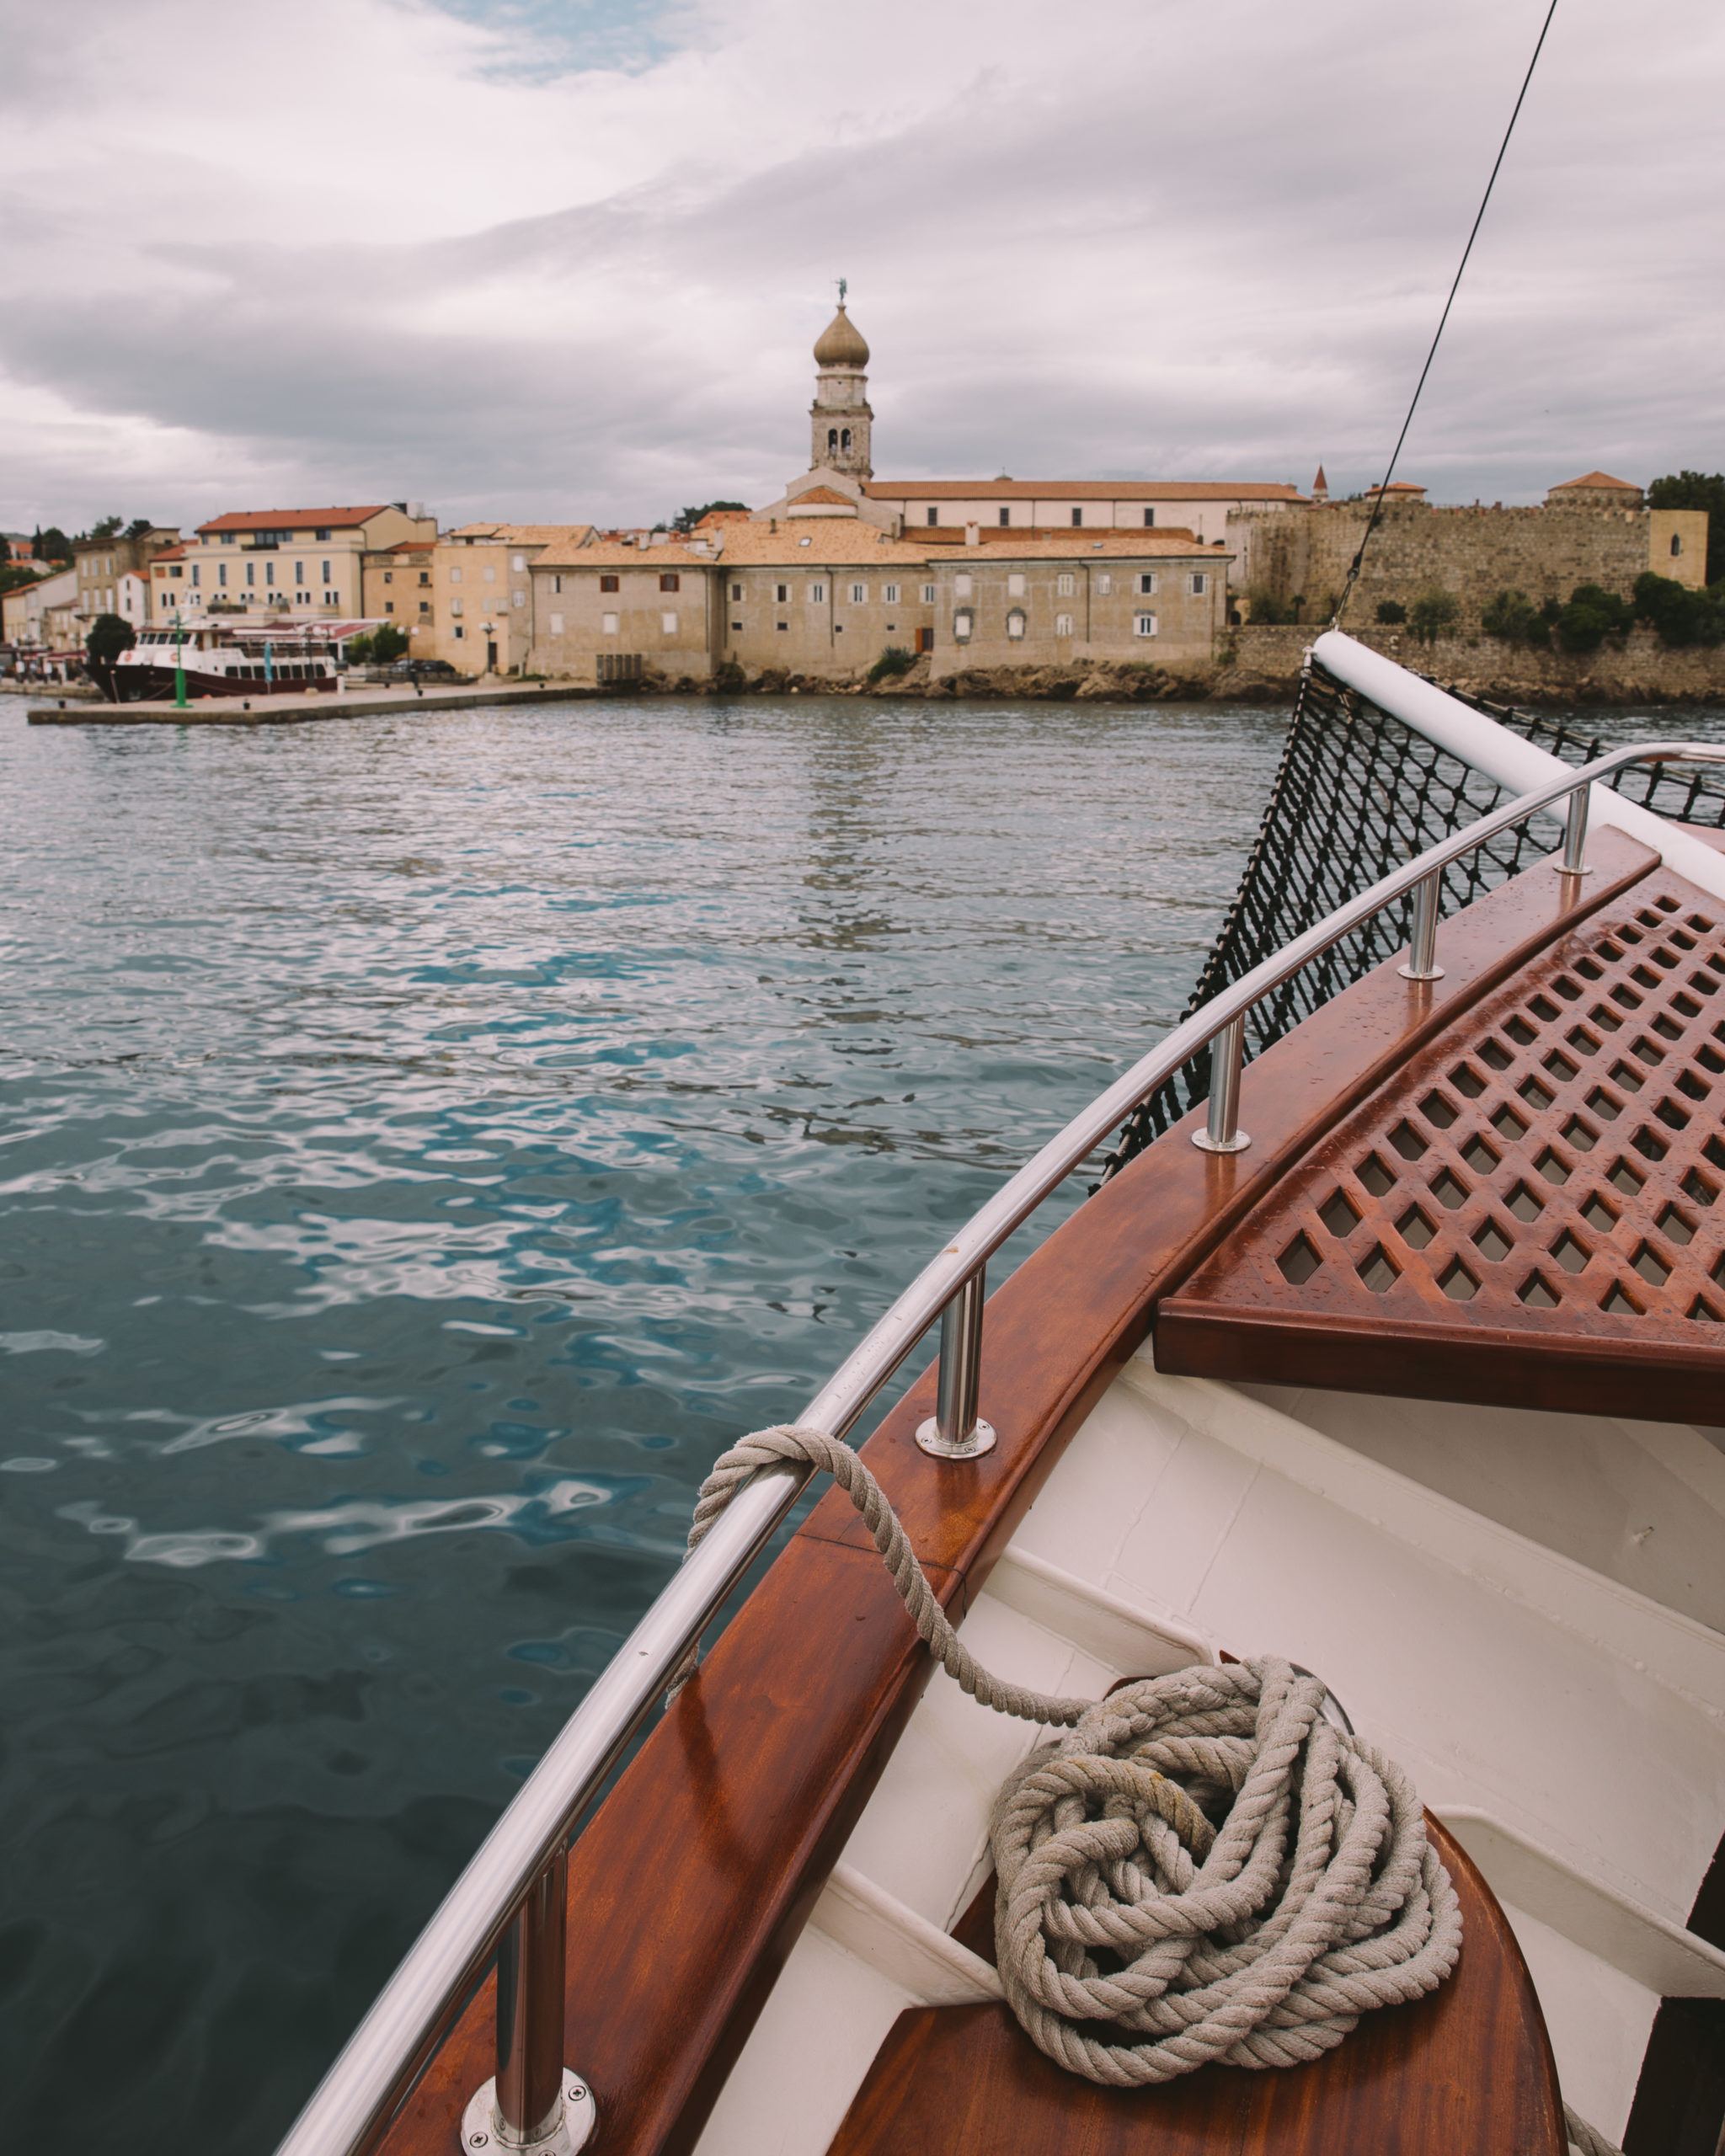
x=972 y=537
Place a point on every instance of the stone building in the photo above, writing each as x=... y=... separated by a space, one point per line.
x=113 y=575
x=304 y=562
x=466 y=596
x=825 y=596
x=1583 y=534
x=840 y=480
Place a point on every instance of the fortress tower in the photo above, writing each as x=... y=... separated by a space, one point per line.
x=839 y=417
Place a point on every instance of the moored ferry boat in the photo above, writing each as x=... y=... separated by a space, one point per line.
x=224 y=660
x=1362 y=1433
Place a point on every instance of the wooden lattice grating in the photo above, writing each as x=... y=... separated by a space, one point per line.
x=1553 y=1163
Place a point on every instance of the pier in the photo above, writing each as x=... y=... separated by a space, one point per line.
x=293 y=711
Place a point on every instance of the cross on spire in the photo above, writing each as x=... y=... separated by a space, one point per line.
x=843 y=288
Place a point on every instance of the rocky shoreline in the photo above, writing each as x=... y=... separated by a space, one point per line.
x=1262 y=665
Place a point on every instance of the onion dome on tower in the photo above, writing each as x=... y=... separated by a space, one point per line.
x=840 y=416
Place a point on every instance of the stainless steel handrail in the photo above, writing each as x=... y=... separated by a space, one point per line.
x=405 y=2024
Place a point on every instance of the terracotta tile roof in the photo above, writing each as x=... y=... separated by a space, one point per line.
x=1062 y=545
x=1596 y=479
x=828 y=495
x=838 y=543
x=715 y=516
x=520 y=535
x=1079 y=490
x=168 y=554
x=295 y=520
x=831 y=542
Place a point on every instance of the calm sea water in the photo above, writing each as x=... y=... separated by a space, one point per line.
x=428 y=1142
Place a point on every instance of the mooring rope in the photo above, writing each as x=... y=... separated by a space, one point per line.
x=1203 y=1869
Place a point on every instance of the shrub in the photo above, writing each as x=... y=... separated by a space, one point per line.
x=1264 y=610
x=1580 y=628
x=1618 y=615
x=359 y=651
x=388 y=643
x=1509 y=615
x=1432 y=614
x=728 y=678
x=1679 y=615
x=1392 y=613
x=892 y=662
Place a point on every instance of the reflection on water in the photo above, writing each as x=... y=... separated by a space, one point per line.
x=428 y=1143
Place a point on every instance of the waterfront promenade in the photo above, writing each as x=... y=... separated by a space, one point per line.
x=289 y=711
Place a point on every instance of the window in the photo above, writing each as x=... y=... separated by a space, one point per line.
x=1150 y=517
x=1063 y=625
x=251 y=573
x=518 y=599
x=608 y=583
x=961 y=585
x=1006 y=516
x=845 y=440
x=962 y=624
x=1014 y=586
x=490 y=571
x=389 y=605
x=388 y=575
x=1077 y=516
x=518 y=562
x=1065 y=584
x=323 y=539
x=736 y=625
x=889 y=592
x=454 y=606
x=934 y=516
x=817 y=595
x=557 y=584
x=784 y=625
x=299 y=572
x=455 y=576
x=1200 y=585
x=671 y=581
x=557 y=625
x=1015 y=622
x=607 y=625
x=227 y=538
x=668 y=622
x=832 y=441
x=1104 y=584
x=1144 y=625
x=1676 y=543
x=1147 y=582
x=424 y=576
x=736 y=591
x=782 y=593
x=174 y=571
x=928 y=594
x=859 y=594
x=459 y=632
x=326 y=573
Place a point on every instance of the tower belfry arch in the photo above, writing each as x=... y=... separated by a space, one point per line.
x=840 y=420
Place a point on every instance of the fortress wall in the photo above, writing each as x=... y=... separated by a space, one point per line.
x=1472 y=553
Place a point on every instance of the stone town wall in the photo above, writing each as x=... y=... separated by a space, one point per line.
x=1471 y=553
x=1265 y=663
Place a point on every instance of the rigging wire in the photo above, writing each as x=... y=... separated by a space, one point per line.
x=1378 y=505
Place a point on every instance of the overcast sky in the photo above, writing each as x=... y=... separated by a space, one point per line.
x=566 y=258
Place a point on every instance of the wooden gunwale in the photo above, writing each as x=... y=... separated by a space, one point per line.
x=693 y=1881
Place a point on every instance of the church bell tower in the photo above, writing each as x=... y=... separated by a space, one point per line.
x=839 y=417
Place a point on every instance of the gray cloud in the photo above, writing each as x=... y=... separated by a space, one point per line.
x=1144 y=241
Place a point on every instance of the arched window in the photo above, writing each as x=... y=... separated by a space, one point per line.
x=845 y=440
x=1015 y=623
x=1676 y=543
x=832 y=440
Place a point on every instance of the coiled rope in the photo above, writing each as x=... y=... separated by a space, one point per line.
x=1204 y=1868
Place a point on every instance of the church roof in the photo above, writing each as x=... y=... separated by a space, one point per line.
x=841 y=343
x=1079 y=490
x=828 y=497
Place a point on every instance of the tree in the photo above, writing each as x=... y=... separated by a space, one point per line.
x=1704 y=490
x=689 y=518
x=5 y=549
x=15 y=575
x=137 y=529
x=1510 y=615
x=52 y=545
x=109 y=635
x=388 y=643
x=109 y=528
x=1433 y=614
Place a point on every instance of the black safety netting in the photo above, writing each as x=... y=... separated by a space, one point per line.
x=1357 y=794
